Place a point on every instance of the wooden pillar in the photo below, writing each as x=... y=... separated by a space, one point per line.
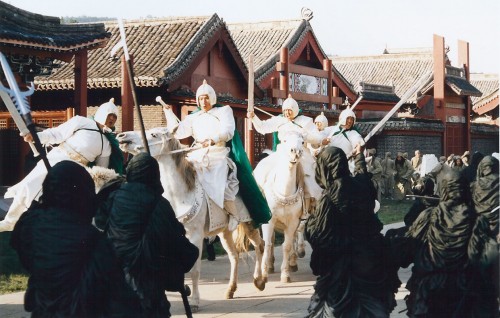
x=327 y=66
x=284 y=71
x=70 y=112
x=127 y=99
x=439 y=101
x=463 y=60
x=336 y=95
x=274 y=84
x=80 y=101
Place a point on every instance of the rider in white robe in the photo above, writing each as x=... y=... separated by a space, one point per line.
x=211 y=127
x=321 y=123
x=79 y=139
x=344 y=136
x=290 y=121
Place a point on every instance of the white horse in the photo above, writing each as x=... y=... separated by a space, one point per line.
x=283 y=188
x=186 y=196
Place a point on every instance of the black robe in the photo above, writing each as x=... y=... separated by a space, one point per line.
x=356 y=277
x=448 y=242
x=73 y=269
x=148 y=239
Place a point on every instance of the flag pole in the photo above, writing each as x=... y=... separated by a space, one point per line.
x=130 y=72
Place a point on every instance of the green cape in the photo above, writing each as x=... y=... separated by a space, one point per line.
x=249 y=190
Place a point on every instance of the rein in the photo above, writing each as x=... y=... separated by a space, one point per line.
x=163 y=142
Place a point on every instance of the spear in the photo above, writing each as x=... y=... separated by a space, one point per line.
x=412 y=90
x=21 y=113
x=123 y=44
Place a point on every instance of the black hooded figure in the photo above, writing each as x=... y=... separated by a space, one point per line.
x=483 y=246
x=147 y=236
x=73 y=269
x=470 y=171
x=451 y=245
x=350 y=256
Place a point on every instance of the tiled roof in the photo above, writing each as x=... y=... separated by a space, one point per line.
x=20 y=28
x=401 y=124
x=373 y=92
x=264 y=40
x=162 y=49
x=456 y=80
x=488 y=84
x=400 y=70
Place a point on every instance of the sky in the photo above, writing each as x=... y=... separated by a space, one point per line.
x=343 y=28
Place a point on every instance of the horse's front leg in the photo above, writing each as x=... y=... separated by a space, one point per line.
x=289 y=232
x=226 y=238
x=258 y=244
x=267 y=258
x=301 y=245
x=196 y=239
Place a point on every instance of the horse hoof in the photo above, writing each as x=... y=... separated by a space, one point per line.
x=294 y=268
x=259 y=283
x=264 y=279
x=301 y=254
x=194 y=308
x=229 y=294
x=285 y=279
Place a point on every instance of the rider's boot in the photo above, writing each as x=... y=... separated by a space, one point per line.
x=230 y=208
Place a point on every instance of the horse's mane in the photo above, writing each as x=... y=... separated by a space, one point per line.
x=184 y=166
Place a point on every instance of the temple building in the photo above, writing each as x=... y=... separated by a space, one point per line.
x=74 y=72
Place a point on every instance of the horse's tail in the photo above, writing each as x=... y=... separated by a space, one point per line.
x=241 y=241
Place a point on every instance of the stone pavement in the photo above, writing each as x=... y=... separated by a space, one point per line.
x=277 y=300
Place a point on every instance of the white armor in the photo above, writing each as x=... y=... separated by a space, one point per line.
x=282 y=125
x=345 y=139
x=79 y=139
x=211 y=163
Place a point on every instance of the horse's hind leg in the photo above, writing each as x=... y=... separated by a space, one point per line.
x=228 y=244
x=258 y=244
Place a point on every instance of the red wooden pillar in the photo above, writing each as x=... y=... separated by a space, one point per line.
x=327 y=66
x=439 y=78
x=463 y=59
x=274 y=84
x=127 y=99
x=80 y=101
x=284 y=71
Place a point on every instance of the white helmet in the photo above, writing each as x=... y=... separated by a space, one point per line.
x=104 y=110
x=206 y=89
x=345 y=114
x=321 y=118
x=291 y=103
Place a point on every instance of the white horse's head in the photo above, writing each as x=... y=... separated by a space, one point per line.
x=292 y=146
x=162 y=145
x=159 y=141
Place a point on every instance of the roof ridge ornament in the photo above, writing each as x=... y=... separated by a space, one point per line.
x=306 y=13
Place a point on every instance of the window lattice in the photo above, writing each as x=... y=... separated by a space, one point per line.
x=57 y=122
x=43 y=122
